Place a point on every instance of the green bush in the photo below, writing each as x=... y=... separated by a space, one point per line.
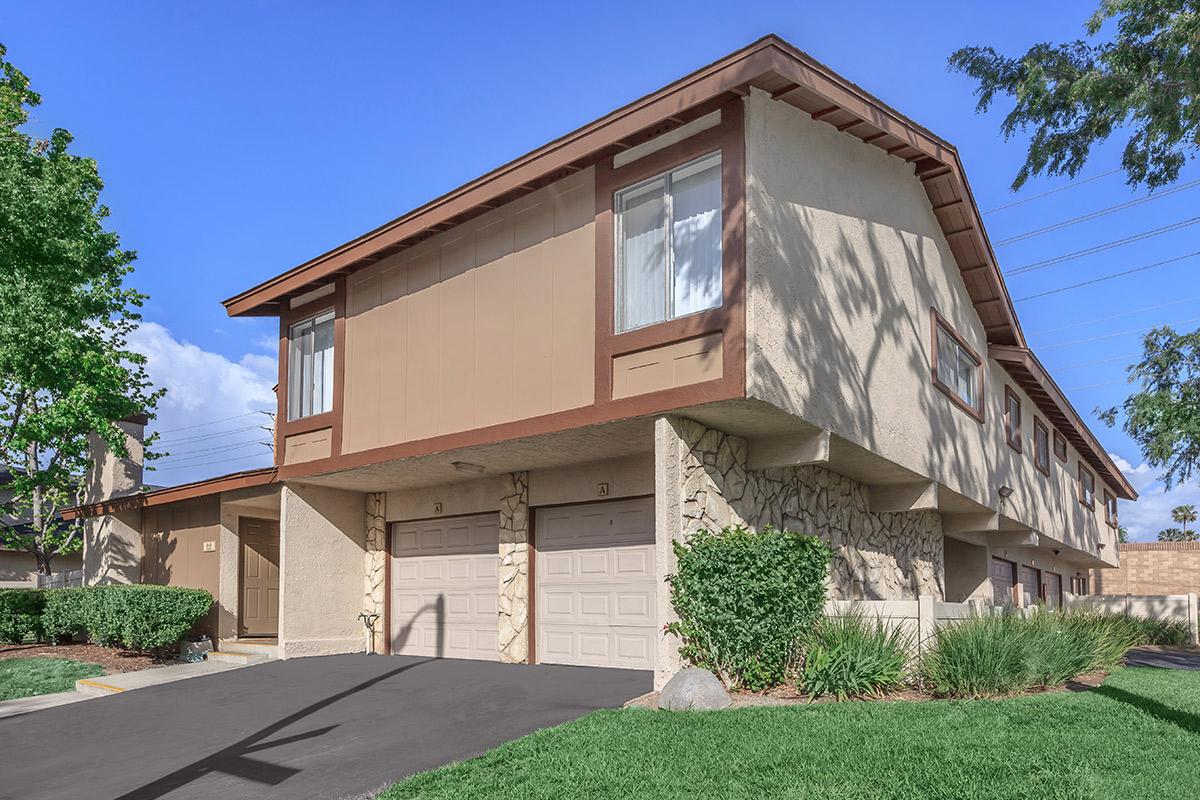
x=21 y=615
x=66 y=613
x=1006 y=653
x=852 y=656
x=746 y=600
x=144 y=617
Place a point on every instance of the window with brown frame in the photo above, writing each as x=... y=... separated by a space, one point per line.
x=1079 y=584
x=1060 y=447
x=1041 y=446
x=957 y=368
x=1012 y=419
x=1087 y=486
x=1110 y=509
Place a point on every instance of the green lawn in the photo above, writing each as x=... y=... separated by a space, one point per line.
x=25 y=677
x=1137 y=736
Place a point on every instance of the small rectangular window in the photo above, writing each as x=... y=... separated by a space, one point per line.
x=1060 y=447
x=310 y=366
x=1012 y=419
x=668 y=248
x=1110 y=509
x=1087 y=487
x=957 y=370
x=1041 y=446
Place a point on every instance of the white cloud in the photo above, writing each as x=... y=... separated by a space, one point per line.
x=207 y=418
x=1152 y=511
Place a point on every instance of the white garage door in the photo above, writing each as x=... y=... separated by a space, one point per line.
x=444 y=587
x=595 y=584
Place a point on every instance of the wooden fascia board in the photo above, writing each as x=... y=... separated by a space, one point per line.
x=172 y=494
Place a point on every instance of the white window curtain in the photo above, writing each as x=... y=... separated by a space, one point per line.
x=669 y=245
x=310 y=367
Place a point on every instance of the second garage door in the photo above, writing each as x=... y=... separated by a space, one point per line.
x=444 y=587
x=595 y=601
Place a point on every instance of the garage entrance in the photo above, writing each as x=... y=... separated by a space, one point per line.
x=595 y=597
x=443 y=587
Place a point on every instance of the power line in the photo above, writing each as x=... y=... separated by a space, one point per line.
x=1063 y=188
x=1087 y=322
x=216 y=435
x=190 y=458
x=1109 y=277
x=1137 y=237
x=1094 y=363
x=203 y=464
x=206 y=423
x=229 y=446
x=1094 y=385
x=1114 y=335
x=1097 y=214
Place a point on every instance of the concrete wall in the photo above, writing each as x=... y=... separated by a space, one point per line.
x=1152 y=568
x=491 y=322
x=322 y=547
x=966 y=571
x=844 y=262
x=19 y=568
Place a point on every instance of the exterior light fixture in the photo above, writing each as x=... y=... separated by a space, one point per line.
x=1005 y=492
x=463 y=466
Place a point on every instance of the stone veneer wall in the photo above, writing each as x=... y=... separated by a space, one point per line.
x=375 y=555
x=888 y=556
x=513 y=572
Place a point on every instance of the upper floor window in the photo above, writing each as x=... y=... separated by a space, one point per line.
x=1087 y=486
x=1012 y=419
x=1041 y=446
x=1060 y=447
x=957 y=371
x=310 y=366
x=1110 y=509
x=668 y=245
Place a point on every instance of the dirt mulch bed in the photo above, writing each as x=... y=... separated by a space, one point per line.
x=112 y=659
x=788 y=696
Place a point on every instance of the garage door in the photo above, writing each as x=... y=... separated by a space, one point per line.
x=595 y=584
x=1031 y=585
x=1053 y=589
x=444 y=587
x=1003 y=580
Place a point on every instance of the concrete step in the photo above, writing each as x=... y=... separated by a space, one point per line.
x=268 y=649
x=244 y=659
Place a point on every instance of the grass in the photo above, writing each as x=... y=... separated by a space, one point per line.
x=1136 y=736
x=26 y=677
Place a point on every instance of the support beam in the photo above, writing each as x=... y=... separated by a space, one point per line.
x=795 y=450
x=899 y=497
x=1013 y=539
x=973 y=522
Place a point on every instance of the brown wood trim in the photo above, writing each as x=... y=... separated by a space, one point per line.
x=531 y=589
x=1060 y=443
x=1012 y=426
x=936 y=321
x=187 y=491
x=1040 y=427
x=1082 y=494
x=332 y=419
x=387 y=580
x=1110 y=510
x=727 y=138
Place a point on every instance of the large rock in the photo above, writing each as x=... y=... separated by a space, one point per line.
x=693 y=690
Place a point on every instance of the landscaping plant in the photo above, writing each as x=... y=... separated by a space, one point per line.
x=20 y=615
x=746 y=600
x=853 y=656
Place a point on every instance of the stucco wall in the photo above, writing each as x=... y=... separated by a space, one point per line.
x=491 y=322
x=112 y=548
x=844 y=262
x=966 y=571
x=17 y=568
x=322 y=546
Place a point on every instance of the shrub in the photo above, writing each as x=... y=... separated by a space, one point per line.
x=20 y=615
x=745 y=600
x=1163 y=632
x=852 y=656
x=66 y=612
x=144 y=617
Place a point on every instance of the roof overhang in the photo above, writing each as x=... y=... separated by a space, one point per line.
x=172 y=494
x=1030 y=375
x=770 y=64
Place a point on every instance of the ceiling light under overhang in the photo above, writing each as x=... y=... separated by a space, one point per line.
x=464 y=466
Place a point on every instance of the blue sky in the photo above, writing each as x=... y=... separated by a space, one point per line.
x=239 y=139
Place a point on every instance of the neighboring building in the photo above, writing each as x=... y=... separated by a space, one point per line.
x=757 y=295
x=1151 y=568
x=18 y=568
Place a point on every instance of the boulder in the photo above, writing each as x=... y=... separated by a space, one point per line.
x=694 y=690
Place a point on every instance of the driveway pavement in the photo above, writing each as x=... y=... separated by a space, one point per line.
x=329 y=727
x=1163 y=657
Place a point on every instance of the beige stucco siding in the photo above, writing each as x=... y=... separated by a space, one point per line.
x=845 y=259
x=18 y=568
x=491 y=322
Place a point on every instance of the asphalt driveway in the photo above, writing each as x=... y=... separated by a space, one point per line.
x=329 y=727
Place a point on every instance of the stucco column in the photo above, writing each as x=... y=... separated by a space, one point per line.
x=513 y=639
x=669 y=451
x=375 y=571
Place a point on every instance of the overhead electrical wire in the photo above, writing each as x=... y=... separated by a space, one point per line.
x=1062 y=188
x=1115 y=335
x=205 y=436
x=206 y=423
x=1137 y=237
x=1129 y=313
x=189 y=458
x=228 y=446
x=1097 y=361
x=201 y=464
x=1108 y=277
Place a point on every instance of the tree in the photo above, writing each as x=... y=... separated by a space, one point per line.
x=1122 y=534
x=1176 y=535
x=1183 y=515
x=65 y=319
x=1077 y=94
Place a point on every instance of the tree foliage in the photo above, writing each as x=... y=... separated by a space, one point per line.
x=1075 y=95
x=65 y=319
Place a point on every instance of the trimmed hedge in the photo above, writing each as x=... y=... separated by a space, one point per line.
x=136 y=617
x=21 y=615
x=747 y=600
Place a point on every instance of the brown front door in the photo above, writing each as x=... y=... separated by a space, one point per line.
x=1031 y=586
x=1004 y=578
x=258 y=610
